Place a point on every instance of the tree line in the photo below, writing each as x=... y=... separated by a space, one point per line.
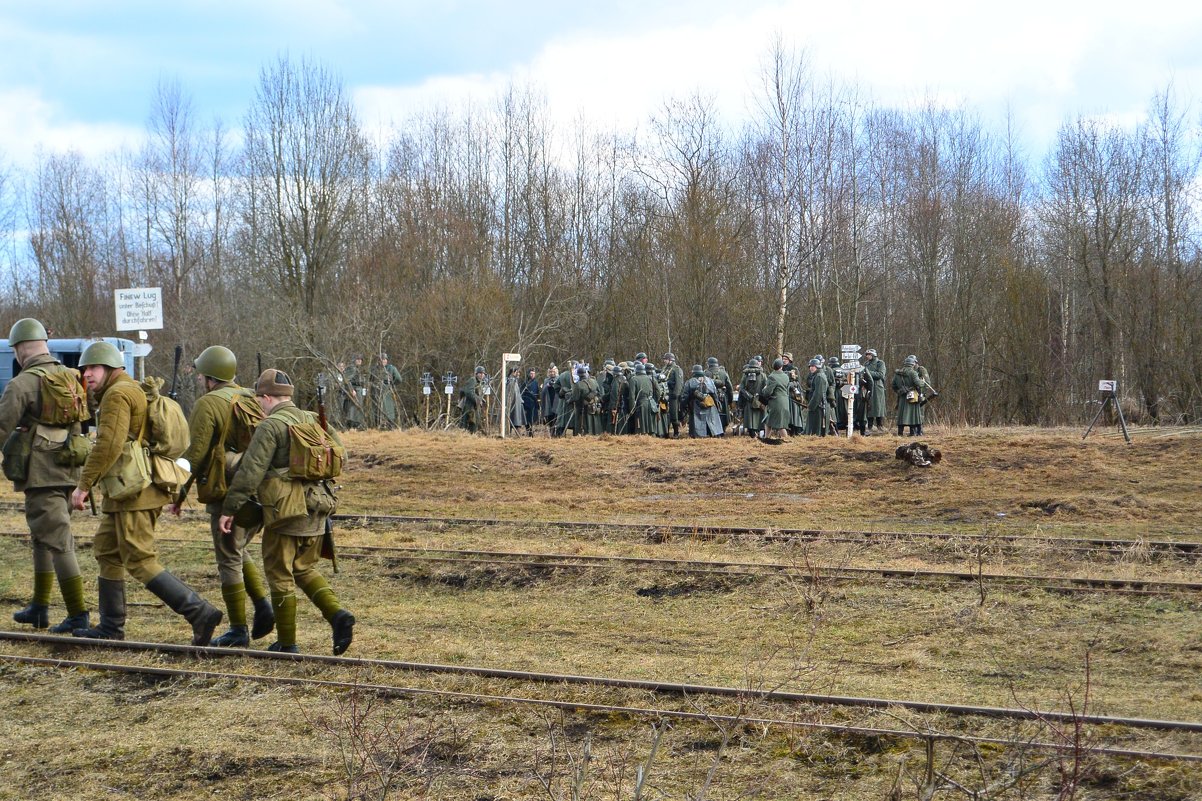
x=471 y=231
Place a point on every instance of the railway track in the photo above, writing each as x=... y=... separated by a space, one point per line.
x=811 y=701
x=1101 y=545
x=809 y=572
x=1181 y=549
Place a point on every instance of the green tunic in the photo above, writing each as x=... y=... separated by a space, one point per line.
x=641 y=402
x=388 y=380
x=816 y=398
x=19 y=407
x=586 y=399
x=471 y=404
x=776 y=390
x=749 y=400
x=875 y=368
x=905 y=381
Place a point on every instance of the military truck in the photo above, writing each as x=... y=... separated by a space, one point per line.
x=68 y=351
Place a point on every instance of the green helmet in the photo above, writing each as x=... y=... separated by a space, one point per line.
x=25 y=329
x=217 y=362
x=102 y=352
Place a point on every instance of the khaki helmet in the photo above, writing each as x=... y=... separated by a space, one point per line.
x=217 y=362
x=101 y=352
x=26 y=329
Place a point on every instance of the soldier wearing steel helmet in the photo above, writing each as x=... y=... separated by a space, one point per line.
x=124 y=541
x=911 y=389
x=46 y=476
x=291 y=542
x=724 y=386
x=816 y=399
x=471 y=401
x=214 y=444
x=874 y=366
x=676 y=382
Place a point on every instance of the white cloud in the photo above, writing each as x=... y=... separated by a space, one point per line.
x=30 y=125
x=1043 y=62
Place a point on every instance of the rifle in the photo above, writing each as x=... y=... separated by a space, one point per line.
x=259 y=363
x=327 y=537
x=174 y=393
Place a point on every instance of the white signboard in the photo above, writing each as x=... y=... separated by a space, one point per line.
x=848 y=390
x=1108 y=386
x=849 y=368
x=851 y=348
x=139 y=308
x=512 y=357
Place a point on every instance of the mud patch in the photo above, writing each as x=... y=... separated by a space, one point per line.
x=694 y=586
x=1051 y=507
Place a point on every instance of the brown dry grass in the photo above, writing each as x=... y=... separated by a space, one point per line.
x=89 y=735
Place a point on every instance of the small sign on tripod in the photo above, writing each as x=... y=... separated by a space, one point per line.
x=1109 y=389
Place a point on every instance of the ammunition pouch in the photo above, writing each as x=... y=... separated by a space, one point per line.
x=17 y=450
x=74 y=451
x=320 y=498
x=913 y=397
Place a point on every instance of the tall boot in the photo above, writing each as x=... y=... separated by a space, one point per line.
x=285 y=622
x=183 y=600
x=112 y=613
x=264 y=620
x=77 y=611
x=917 y=430
x=37 y=612
x=342 y=622
x=234 y=596
x=900 y=429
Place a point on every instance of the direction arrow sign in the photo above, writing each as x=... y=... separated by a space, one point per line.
x=850 y=357
x=851 y=348
x=849 y=368
x=848 y=390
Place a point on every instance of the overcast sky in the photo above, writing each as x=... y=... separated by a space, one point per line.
x=80 y=75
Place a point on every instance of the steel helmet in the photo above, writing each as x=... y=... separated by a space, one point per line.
x=101 y=352
x=26 y=329
x=217 y=362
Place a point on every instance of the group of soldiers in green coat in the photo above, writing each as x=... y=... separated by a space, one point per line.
x=790 y=401
x=636 y=397
x=369 y=394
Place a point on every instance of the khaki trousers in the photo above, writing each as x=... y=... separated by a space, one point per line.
x=48 y=515
x=229 y=549
x=125 y=541
x=289 y=560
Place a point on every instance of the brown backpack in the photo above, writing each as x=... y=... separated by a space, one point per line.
x=64 y=399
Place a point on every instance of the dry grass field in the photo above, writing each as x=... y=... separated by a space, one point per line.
x=96 y=734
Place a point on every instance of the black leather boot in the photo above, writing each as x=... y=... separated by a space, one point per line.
x=236 y=637
x=112 y=613
x=343 y=624
x=183 y=600
x=264 y=622
x=36 y=615
x=71 y=623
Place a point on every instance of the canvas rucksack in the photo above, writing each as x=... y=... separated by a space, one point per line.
x=64 y=400
x=313 y=455
x=243 y=418
x=166 y=426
